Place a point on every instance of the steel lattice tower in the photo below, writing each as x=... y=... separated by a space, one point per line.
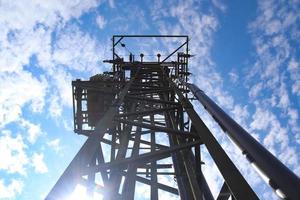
x=129 y=110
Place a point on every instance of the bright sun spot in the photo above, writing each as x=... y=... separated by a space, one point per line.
x=79 y=193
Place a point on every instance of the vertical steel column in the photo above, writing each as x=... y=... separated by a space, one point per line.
x=129 y=184
x=154 y=190
x=113 y=52
x=188 y=171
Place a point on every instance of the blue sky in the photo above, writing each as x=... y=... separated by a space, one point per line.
x=247 y=59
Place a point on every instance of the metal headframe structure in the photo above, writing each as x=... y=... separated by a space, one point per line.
x=142 y=130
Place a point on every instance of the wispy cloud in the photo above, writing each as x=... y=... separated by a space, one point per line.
x=255 y=90
x=38 y=163
x=294 y=70
x=10 y=190
x=18 y=89
x=234 y=77
x=101 y=21
x=273 y=33
x=220 y=5
x=33 y=130
x=13 y=154
x=55 y=144
x=111 y=3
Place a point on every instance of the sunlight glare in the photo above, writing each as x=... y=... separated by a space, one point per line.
x=79 y=193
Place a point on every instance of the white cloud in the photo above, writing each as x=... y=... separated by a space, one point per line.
x=240 y=114
x=273 y=27
x=274 y=34
x=261 y=119
x=74 y=50
x=26 y=33
x=41 y=31
x=289 y=156
x=33 y=130
x=11 y=190
x=234 y=77
x=277 y=135
x=220 y=5
x=111 y=3
x=54 y=144
x=293 y=119
x=55 y=108
x=62 y=81
x=101 y=22
x=254 y=91
x=77 y=50
x=12 y=153
x=200 y=27
x=17 y=90
x=17 y=51
x=224 y=99
x=68 y=124
x=38 y=163
x=284 y=101
x=294 y=71
x=27 y=14
x=276 y=140
x=293 y=115
x=30 y=27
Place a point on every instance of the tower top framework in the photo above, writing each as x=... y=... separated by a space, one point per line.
x=142 y=131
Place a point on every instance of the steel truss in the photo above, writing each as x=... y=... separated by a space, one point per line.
x=143 y=129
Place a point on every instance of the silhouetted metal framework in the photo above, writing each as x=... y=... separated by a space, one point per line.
x=142 y=129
